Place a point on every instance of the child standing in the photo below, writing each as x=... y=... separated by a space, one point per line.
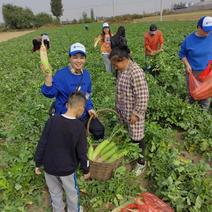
x=62 y=147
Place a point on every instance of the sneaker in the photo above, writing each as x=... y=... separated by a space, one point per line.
x=149 y=67
x=139 y=169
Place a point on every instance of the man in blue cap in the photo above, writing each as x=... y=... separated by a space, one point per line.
x=196 y=53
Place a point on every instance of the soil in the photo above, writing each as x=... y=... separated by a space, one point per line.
x=44 y=201
x=4 y=36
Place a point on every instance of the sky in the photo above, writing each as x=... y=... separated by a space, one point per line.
x=73 y=8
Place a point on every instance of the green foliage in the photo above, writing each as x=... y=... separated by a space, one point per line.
x=23 y=112
x=42 y=19
x=17 y=17
x=116 y=191
x=57 y=8
x=184 y=184
x=92 y=15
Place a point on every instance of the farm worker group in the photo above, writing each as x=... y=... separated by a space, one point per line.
x=71 y=86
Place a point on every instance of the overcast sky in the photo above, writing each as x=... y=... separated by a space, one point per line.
x=74 y=8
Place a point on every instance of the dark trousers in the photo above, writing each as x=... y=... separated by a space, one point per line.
x=142 y=147
x=96 y=128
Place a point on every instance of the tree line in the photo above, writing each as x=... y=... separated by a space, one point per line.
x=16 y=17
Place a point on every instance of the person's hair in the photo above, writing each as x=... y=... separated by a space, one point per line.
x=153 y=27
x=75 y=98
x=121 y=31
x=36 y=45
x=103 y=34
x=119 y=39
x=118 y=54
x=46 y=43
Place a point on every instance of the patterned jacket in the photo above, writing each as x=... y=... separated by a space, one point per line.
x=132 y=97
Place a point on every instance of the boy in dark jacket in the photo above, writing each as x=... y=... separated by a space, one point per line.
x=62 y=147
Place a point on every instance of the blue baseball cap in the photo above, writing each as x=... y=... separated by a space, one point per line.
x=77 y=48
x=205 y=23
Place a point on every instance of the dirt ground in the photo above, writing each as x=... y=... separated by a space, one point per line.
x=4 y=36
x=190 y=16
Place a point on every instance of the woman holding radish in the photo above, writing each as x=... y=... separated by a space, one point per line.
x=71 y=79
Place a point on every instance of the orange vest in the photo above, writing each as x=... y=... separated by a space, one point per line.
x=104 y=43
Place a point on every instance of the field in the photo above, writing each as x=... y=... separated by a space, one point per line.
x=178 y=135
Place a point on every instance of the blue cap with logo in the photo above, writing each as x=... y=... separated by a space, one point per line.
x=205 y=23
x=77 y=48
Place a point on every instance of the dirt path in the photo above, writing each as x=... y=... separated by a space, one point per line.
x=4 y=36
x=177 y=17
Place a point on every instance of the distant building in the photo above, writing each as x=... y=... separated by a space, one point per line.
x=180 y=5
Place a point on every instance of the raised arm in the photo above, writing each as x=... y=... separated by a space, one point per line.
x=48 y=88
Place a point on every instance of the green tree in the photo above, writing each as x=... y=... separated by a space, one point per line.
x=17 y=17
x=84 y=16
x=42 y=19
x=74 y=21
x=92 y=14
x=57 y=8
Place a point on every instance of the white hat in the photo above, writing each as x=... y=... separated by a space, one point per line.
x=105 y=25
x=205 y=23
x=77 y=48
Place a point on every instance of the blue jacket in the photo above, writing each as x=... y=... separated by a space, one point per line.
x=64 y=83
x=197 y=50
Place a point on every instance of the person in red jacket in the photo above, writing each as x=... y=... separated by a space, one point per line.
x=153 y=41
x=153 y=44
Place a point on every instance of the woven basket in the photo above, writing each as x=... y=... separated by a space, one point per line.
x=102 y=171
x=98 y=113
x=98 y=170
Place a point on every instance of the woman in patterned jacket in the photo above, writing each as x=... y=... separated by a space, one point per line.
x=131 y=97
